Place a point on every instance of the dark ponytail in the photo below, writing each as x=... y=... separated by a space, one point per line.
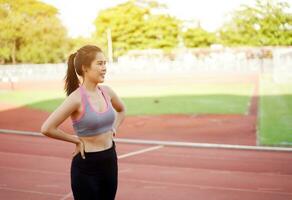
x=83 y=57
x=71 y=79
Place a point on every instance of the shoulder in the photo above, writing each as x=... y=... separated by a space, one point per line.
x=116 y=101
x=108 y=90
x=75 y=97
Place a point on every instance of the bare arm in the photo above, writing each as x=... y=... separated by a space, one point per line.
x=50 y=126
x=118 y=105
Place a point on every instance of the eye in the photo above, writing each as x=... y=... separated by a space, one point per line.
x=101 y=63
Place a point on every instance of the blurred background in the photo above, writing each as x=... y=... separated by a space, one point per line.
x=196 y=73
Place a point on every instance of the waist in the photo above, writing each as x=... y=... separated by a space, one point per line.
x=97 y=142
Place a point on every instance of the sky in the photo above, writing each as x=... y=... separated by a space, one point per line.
x=78 y=15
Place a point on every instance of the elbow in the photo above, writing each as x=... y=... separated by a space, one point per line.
x=45 y=130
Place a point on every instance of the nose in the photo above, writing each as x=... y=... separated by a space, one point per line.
x=103 y=68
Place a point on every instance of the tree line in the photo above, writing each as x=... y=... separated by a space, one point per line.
x=31 y=32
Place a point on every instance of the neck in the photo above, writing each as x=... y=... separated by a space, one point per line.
x=90 y=86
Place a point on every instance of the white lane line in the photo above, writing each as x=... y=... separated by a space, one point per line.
x=140 y=151
x=29 y=191
x=21 y=132
x=33 y=171
x=66 y=196
x=201 y=145
x=124 y=156
x=172 y=143
x=203 y=187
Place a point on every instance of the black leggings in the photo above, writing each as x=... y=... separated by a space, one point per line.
x=96 y=176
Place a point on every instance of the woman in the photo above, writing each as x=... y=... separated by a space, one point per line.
x=96 y=112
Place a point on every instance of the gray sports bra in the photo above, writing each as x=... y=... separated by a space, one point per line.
x=92 y=122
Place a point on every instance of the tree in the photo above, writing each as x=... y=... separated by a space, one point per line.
x=31 y=32
x=198 y=37
x=161 y=31
x=265 y=23
x=134 y=27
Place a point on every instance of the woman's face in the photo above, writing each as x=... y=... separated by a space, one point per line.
x=96 y=72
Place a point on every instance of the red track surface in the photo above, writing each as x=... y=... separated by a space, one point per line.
x=38 y=168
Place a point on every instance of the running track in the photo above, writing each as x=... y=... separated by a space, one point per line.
x=33 y=167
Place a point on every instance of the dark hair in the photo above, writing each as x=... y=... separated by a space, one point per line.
x=83 y=56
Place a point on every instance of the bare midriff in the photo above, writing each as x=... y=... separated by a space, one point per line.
x=98 y=142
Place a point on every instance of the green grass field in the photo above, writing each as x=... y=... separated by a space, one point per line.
x=275 y=114
x=274 y=120
x=152 y=100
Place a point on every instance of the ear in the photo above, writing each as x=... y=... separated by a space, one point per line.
x=84 y=69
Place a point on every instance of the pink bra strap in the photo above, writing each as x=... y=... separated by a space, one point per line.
x=104 y=93
x=81 y=90
x=83 y=97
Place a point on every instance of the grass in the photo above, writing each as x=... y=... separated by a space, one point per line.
x=187 y=104
x=275 y=118
x=275 y=103
x=29 y=97
x=153 y=100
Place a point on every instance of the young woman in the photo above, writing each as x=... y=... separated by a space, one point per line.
x=96 y=112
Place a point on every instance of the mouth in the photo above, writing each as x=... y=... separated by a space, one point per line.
x=102 y=75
